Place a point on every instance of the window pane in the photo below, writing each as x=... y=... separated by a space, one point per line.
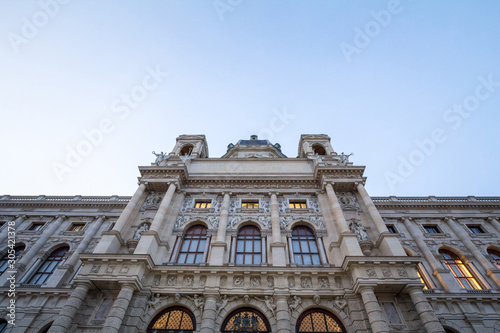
x=199 y=258
x=240 y=246
x=239 y=259
x=305 y=248
x=316 y=260
x=190 y=258
x=256 y=259
x=256 y=245
x=193 y=246
x=248 y=259
x=185 y=245
x=201 y=247
x=307 y=260
x=298 y=259
x=248 y=246
x=314 y=248
x=182 y=258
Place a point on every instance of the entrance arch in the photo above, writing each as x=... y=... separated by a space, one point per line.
x=173 y=320
x=246 y=320
x=318 y=321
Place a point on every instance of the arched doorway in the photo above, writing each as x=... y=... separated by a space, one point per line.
x=173 y=320
x=318 y=321
x=246 y=320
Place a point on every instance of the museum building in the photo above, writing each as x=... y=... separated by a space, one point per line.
x=253 y=241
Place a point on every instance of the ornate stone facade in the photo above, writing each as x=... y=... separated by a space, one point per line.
x=252 y=239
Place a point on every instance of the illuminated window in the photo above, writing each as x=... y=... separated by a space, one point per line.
x=476 y=229
x=392 y=229
x=421 y=275
x=77 y=227
x=495 y=255
x=245 y=320
x=4 y=262
x=431 y=229
x=202 y=204
x=193 y=245
x=36 y=226
x=250 y=204
x=460 y=271
x=249 y=246
x=298 y=205
x=49 y=266
x=318 y=320
x=174 y=320
x=305 y=249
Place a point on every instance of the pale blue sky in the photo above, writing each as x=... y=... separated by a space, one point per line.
x=232 y=66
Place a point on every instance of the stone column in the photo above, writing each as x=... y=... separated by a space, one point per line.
x=209 y=314
x=63 y=320
x=277 y=246
x=349 y=242
x=377 y=320
x=47 y=233
x=337 y=210
x=232 y=258
x=425 y=311
x=465 y=238
x=282 y=314
x=125 y=215
x=162 y=210
x=17 y=222
x=290 y=250
x=263 y=250
x=389 y=244
x=437 y=268
x=112 y=241
x=494 y=222
x=117 y=312
x=321 y=249
x=219 y=246
x=63 y=273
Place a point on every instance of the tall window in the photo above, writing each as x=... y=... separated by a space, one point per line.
x=318 y=320
x=305 y=249
x=495 y=255
x=4 y=262
x=249 y=246
x=421 y=275
x=174 y=320
x=460 y=271
x=193 y=245
x=245 y=320
x=49 y=266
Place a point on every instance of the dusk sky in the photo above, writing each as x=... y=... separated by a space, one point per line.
x=88 y=89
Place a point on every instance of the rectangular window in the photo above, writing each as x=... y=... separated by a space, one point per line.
x=202 y=204
x=391 y=313
x=250 y=204
x=476 y=229
x=431 y=229
x=298 y=205
x=36 y=226
x=77 y=227
x=392 y=229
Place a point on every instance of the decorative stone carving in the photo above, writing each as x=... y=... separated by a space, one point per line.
x=156 y=280
x=160 y=157
x=265 y=220
x=294 y=303
x=323 y=282
x=270 y=282
x=171 y=280
x=198 y=301
x=269 y=302
x=339 y=302
x=234 y=204
x=180 y=221
x=152 y=201
x=285 y=221
x=110 y=269
x=348 y=201
x=306 y=282
x=95 y=269
x=356 y=227
x=203 y=280
x=142 y=228
x=238 y=281
x=233 y=220
x=318 y=220
x=223 y=281
x=282 y=204
x=291 y=282
x=214 y=221
x=216 y=204
x=222 y=302
x=338 y=282
x=255 y=282
x=313 y=204
x=154 y=299
x=177 y=297
x=188 y=281
x=386 y=272
x=187 y=203
x=265 y=204
x=316 y=299
x=371 y=272
x=246 y=299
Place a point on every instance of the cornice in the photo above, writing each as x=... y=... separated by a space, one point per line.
x=436 y=202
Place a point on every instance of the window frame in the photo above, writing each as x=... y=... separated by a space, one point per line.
x=495 y=255
x=392 y=227
x=204 y=204
x=249 y=204
x=245 y=239
x=455 y=265
x=302 y=204
x=308 y=237
x=33 y=226
x=325 y=313
x=433 y=227
x=74 y=224
x=257 y=313
x=478 y=227
x=168 y=310
x=191 y=236
x=45 y=271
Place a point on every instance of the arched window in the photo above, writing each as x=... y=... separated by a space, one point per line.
x=49 y=266
x=318 y=320
x=421 y=275
x=495 y=255
x=186 y=150
x=3 y=325
x=319 y=149
x=249 y=246
x=245 y=320
x=4 y=262
x=305 y=248
x=193 y=245
x=173 y=320
x=460 y=271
